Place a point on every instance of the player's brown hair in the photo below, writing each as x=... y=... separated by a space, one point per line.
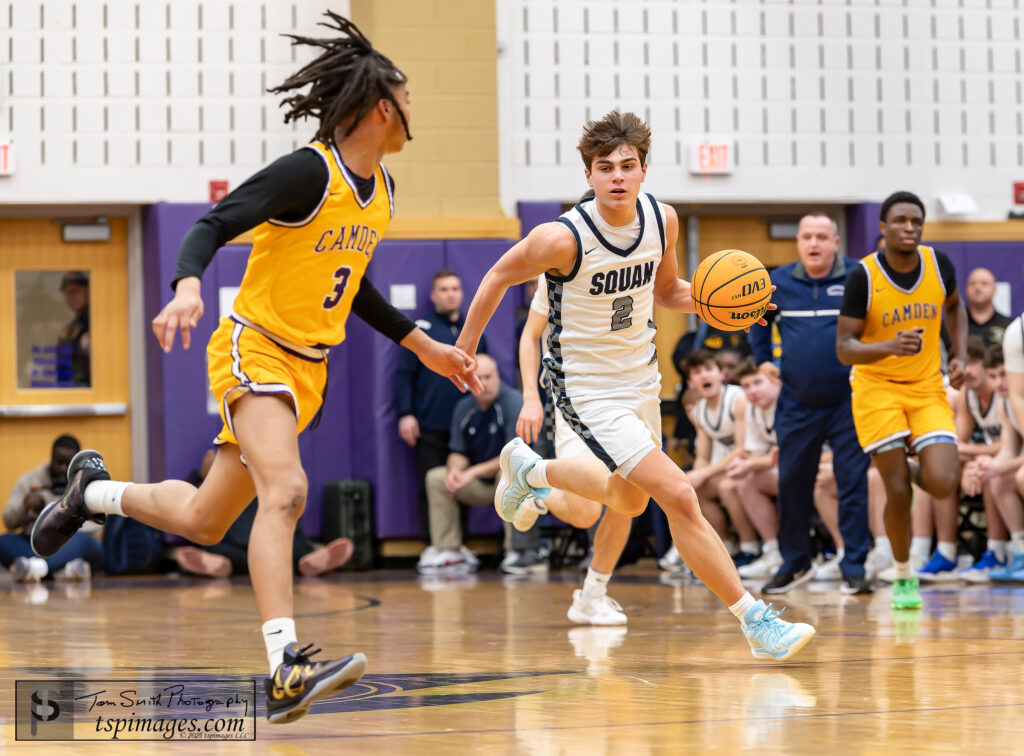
x=346 y=81
x=975 y=349
x=700 y=357
x=746 y=367
x=614 y=130
x=994 y=357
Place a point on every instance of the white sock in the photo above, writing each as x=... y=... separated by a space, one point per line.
x=921 y=546
x=741 y=607
x=770 y=545
x=883 y=546
x=104 y=496
x=537 y=476
x=998 y=548
x=37 y=567
x=277 y=634
x=730 y=546
x=596 y=583
x=947 y=549
x=751 y=547
x=903 y=570
x=1017 y=539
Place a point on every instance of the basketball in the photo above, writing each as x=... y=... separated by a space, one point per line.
x=731 y=289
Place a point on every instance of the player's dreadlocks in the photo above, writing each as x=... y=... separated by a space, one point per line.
x=348 y=79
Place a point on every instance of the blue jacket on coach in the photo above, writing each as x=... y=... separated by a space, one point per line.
x=421 y=392
x=807 y=314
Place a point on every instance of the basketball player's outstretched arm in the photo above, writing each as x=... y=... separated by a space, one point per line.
x=531 y=416
x=549 y=247
x=671 y=291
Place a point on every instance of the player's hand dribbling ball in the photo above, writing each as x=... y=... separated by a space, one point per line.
x=731 y=290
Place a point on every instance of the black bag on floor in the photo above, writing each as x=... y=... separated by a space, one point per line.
x=348 y=513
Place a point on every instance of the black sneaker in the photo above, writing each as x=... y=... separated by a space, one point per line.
x=856 y=585
x=298 y=682
x=528 y=562
x=743 y=558
x=61 y=519
x=787 y=580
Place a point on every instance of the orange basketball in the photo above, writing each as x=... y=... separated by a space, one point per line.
x=731 y=289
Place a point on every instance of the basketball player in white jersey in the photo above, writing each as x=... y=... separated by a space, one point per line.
x=607 y=261
x=756 y=471
x=1002 y=477
x=591 y=604
x=720 y=418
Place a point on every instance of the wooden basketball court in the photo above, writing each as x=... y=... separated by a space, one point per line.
x=490 y=665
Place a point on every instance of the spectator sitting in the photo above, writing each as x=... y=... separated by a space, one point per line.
x=33 y=491
x=480 y=427
x=983 y=320
x=424 y=400
x=230 y=556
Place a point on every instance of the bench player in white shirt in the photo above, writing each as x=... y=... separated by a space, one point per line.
x=1003 y=474
x=590 y=604
x=756 y=471
x=720 y=418
x=607 y=261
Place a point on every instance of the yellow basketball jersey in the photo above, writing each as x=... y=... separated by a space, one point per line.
x=301 y=277
x=892 y=308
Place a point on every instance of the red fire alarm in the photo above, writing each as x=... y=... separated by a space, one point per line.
x=1018 y=192
x=218 y=191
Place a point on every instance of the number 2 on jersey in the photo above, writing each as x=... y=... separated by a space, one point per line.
x=622 y=308
x=341 y=276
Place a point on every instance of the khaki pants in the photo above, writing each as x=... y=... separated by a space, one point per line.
x=445 y=525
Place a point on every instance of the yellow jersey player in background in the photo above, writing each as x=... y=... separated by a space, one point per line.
x=890 y=327
x=318 y=213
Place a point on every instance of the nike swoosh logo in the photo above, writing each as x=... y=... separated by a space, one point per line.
x=589 y=250
x=276 y=632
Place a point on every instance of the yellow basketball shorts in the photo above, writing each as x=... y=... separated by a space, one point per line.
x=885 y=412
x=241 y=359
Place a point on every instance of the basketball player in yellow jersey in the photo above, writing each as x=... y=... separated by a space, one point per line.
x=318 y=213
x=889 y=329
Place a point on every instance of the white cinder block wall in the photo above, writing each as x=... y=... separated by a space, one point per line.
x=825 y=100
x=144 y=100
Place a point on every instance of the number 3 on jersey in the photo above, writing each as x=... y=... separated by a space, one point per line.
x=341 y=276
x=622 y=308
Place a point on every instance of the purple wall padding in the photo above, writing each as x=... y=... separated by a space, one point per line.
x=358 y=434
x=532 y=214
x=861 y=228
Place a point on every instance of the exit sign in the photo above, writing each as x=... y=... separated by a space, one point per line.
x=1018 y=192
x=711 y=156
x=6 y=158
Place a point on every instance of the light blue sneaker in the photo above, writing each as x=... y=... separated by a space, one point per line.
x=1006 y=574
x=979 y=571
x=517 y=458
x=773 y=638
x=938 y=570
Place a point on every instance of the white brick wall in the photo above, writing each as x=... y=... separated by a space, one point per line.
x=134 y=100
x=840 y=100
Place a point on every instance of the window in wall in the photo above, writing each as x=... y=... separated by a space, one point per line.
x=52 y=317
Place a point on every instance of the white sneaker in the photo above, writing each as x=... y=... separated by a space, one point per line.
x=595 y=610
x=439 y=562
x=471 y=559
x=526 y=516
x=875 y=562
x=671 y=561
x=509 y=558
x=762 y=567
x=888 y=575
x=829 y=569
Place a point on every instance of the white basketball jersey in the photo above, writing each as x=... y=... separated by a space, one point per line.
x=719 y=425
x=759 y=436
x=601 y=314
x=1008 y=408
x=988 y=421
